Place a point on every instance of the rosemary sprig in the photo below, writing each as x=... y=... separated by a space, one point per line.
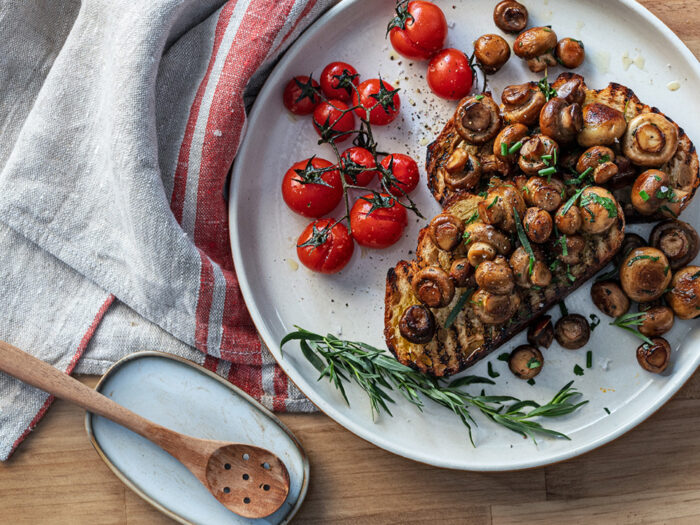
x=524 y=241
x=628 y=321
x=378 y=374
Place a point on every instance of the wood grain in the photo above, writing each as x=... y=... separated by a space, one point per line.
x=647 y=476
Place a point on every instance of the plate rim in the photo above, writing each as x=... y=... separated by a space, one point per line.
x=199 y=368
x=305 y=387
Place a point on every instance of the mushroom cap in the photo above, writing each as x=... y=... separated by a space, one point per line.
x=570 y=52
x=541 y=332
x=654 y=358
x=599 y=210
x=651 y=140
x=533 y=149
x=495 y=276
x=509 y=135
x=684 y=296
x=526 y=361
x=570 y=222
x=645 y=274
x=494 y=309
x=462 y=272
x=542 y=193
x=573 y=90
x=610 y=299
x=433 y=287
x=480 y=232
x=497 y=208
x=538 y=225
x=648 y=191
x=656 y=321
x=522 y=103
x=575 y=245
x=492 y=52
x=510 y=16
x=478 y=120
x=630 y=242
x=446 y=231
x=462 y=170
x=480 y=252
x=417 y=324
x=572 y=331
x=678 y=240
x=561 y=121
x=535 y=42
x=602 y=125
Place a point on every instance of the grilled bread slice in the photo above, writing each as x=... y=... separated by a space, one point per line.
x=467 y=339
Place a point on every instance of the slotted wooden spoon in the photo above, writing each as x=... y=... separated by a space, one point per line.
x=246 y=479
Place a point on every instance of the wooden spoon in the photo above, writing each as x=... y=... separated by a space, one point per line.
x=247 y=480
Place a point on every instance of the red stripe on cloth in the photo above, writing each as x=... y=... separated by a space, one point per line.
x=281 y=385
x=206 y=295
x=303 y=14
x=69 y=369
x=257 y=31
x=247 y=377
x=177 y=199
x=211 y=363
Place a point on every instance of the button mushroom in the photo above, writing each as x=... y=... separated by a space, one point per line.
x=479 y=252
x=433 y=287
x=573 y=90
x=630 y=242
x=656 y=321
x=510 y=16
x=655 y=357
x=600 y=161
x=520 y=263
x=610 y=299
x=542 y=193
x=494 y=164
x=522 y=103
x=599 y=210
x=478 y=120
x=650 y=191
x=570 y=251
x=462 y=170
x=541 y=332
x=462 y=272
x=494 y=309
x=678 y=240
x=602 y=125
x=651 y=140
x=480 y=232
x=570 y=53
x=492 y=52
x=497 y=208
x=533 y=150
x=568 y=221
x=526 y=361
x=572 y=331
x=645 y=274
x=538 y=225
x=684 y=296
x=417 y=324
x=507 y=140
x=446 y=231
x=495 y=276
x=561 y=121
x=536 y=45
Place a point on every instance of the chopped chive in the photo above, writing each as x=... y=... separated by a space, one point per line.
x=563 y=309
x=457 y=308
x=492 y=372
x=572 y=200
x=533 y=363
x=644 y=195
x=479 y=97
x=589 y=359
x=515 y=148
x=505 y=356
x=504 y=149
x=531 y=382
x=495 y=200
x=640 y=257
x=524 y=240
x=578 y=370
x=546 y=172
x=606 y=410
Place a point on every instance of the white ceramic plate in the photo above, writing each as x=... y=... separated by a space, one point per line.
x=279 y=295
x=187 y=398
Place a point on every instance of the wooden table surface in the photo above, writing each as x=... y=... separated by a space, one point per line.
x=648 y=475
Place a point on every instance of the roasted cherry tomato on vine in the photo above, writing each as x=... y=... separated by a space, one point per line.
x=419 y=30
x=449 y=74
x=301 y=95
x=375 y=91
x=358 y=165
x=333 y=74
x=324 y=247
x=405 y=169
x=330 y=121
x=311 y=189
x=377 y=221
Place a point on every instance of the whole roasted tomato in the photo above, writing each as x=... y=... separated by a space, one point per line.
x=330 y=121
x=449 y=74
x=337 y=73
x=377 y=221
x=325 y=246
x=419 y=30
x=312 y=187
x=405 y=170
x=380 y=97
x=358 y=165
x=301 y=95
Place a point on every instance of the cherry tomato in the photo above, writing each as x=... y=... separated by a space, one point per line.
x=449 y=74
x=310 y=190
x=329 y=80
x=373 y=91
x=379 y=227
x=330 y=122
x=301 y=95
x=325 y=248
x=405 y=169
x=353 y=161
x=422 y=36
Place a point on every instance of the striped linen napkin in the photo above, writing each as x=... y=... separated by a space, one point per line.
x=119 y=122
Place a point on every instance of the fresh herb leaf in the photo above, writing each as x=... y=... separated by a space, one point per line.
x=578 y=370
x=505 y=356
x=458 y=308
x=495 y=200
x=589 y=359
x=605 y=202
x=644 y=195
x=563 y=309
x=531 y=381
x=572 y=200
x=607 y=411
x=524 y=240
x=491 y=371
x=546 y=89
x=640 y=257
x=533 y=363
x=479 y=97
x=628 y=321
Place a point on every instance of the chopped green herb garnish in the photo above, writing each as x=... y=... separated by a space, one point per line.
x=589 y=359
x=580 y=178
x=495 y=200
x=563 y=309
x=578 y=370
x=505 y=356
x=492 y=373
x=547 y=172
x=640 y=257
x=604 y=159
x=605 y=202
x=515 y=148
x=473 y=218
x=531 y=381
x=564 y=248
x=644 y=195
x=504 y=149
x=572 y=200
x=458 y=308
x=606 y=410
x=533 y=363
x=479 y=97
x=483 y=194
x=524 y=240
x=666 y=208
x=569 y=275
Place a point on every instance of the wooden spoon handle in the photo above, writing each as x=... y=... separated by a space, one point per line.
x=37 y=373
